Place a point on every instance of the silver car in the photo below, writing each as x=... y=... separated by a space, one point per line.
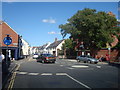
x=86 y=59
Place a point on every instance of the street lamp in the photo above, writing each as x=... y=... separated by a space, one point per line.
x=109 y=50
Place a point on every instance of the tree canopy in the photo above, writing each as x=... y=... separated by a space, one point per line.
x=94 y=28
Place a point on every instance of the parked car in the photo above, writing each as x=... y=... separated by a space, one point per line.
x=86 y=58
x=46 y=58
x=35 y=56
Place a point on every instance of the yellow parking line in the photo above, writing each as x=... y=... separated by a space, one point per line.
x=13 y=79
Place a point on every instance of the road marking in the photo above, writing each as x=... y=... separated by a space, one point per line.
x=73 y=60
x=46 y=74
x=29 y=59
x=78 y=81
x=33 y=73
x=13 y=78
x=61 y=74
x=98 y=66
x=61 y=65
x=70 y=68
x=18 y=67
x=22 y=73
x=12 y=81
x=79 y=66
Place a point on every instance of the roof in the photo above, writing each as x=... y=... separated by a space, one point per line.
x=42 y=47
x=54 y=44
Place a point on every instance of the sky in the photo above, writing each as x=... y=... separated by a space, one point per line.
x=38 y=22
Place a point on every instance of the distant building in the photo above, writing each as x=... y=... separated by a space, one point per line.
x=54 y=47
x=35 y=50
x=43 y=48
x=25 y=48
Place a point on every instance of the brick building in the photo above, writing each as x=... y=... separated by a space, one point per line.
x=15 y=47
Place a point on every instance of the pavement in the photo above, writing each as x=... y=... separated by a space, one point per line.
x=5 y=77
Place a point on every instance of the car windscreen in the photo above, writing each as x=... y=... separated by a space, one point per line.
x=89 y=56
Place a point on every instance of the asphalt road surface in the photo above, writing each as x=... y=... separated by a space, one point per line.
x=64 y=73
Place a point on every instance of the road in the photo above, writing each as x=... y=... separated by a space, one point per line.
x=64 y=73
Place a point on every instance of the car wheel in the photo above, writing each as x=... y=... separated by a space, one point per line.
x=53 y=62
x=89 y=61
x=84 y=61
x=95 y=62
x=78 y=60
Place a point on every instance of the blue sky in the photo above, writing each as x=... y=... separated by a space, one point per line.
x=38 y=22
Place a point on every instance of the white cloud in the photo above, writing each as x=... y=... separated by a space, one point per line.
x=50 y=20
x=53 y=32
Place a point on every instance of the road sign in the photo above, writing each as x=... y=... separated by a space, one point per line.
x=7 y=40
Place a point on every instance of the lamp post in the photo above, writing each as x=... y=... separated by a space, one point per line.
x=7 y=41
x=109 y=50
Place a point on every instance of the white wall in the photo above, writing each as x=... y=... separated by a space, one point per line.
x=59 y=47
x=25 y=47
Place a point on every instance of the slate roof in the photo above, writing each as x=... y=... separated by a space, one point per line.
x=54 y=44
x=42 y=47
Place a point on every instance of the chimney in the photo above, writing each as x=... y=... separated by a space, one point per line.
x=55 y=39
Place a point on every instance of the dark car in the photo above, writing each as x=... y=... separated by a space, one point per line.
x=86 y=58
x=44 y=58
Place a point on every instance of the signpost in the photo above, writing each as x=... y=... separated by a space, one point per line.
x=7 y=41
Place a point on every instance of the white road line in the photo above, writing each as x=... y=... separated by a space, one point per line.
x=70 y=68
x=78 y=81
x=98 y=66
x=61 y=74
x=46 y=74
x=61 y=65
x=22 y=73
x=79 y=66
x=73 y=60
x=29 y=59
x=33 y=73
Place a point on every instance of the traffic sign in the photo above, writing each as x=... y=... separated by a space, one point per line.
x=7 y=40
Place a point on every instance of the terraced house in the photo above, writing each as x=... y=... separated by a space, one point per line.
x=55 y=47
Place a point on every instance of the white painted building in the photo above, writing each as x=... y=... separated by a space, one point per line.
x=54 y=47
x=25 y=48
x=35 y=50
x=43 y=49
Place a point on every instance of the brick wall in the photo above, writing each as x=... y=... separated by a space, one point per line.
x=6 y=29
x=113 y=53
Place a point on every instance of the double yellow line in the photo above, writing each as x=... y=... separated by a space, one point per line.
x=13 y=79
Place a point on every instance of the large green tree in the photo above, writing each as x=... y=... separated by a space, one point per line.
x=93 y=28
x=68 y=48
